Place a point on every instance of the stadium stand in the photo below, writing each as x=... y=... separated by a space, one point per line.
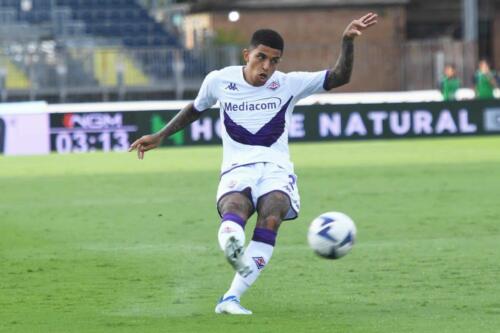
x=17 y=78
x=125 y=20
x=91 y=43
x=80 y=50
x=107 y=63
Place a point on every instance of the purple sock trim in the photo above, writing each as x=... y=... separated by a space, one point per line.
x=264 y=236
x=234 y=218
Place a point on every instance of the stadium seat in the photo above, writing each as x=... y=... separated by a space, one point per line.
x=124 y=21
x=16 y=78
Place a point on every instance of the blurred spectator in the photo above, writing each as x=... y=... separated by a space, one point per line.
x=485 y=81
x=3 y=134
x=449 y=83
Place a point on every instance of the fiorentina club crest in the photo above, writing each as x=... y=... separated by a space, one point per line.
x=274 y=85
x=260 y=262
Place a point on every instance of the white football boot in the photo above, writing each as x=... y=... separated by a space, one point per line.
x=231 y=305
x=235 y=255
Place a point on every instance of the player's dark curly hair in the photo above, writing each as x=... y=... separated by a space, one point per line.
x=268 y=38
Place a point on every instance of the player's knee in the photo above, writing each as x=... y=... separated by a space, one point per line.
x=274 y=203
x=276 y=196
x=272 y=209
x=236 y=204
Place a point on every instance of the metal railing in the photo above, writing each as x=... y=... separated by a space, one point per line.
x=108 y=71
x=104 y=70
x=423 y=62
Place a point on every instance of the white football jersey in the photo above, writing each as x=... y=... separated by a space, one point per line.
x=255 y=120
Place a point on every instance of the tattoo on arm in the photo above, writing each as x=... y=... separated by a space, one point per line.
x=184 y=117
x=340 y=74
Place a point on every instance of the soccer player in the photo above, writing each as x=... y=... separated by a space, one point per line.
x=256 y=103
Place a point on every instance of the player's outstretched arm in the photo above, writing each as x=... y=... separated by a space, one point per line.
x=340 y=74
x=183 y=118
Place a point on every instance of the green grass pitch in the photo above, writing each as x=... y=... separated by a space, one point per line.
x=107 y=243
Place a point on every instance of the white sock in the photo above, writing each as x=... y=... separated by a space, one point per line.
x=227 y=229
x=259 y=254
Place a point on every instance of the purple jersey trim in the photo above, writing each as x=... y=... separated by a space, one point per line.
x=325 y=81
x=236 y=167
x=266 y=136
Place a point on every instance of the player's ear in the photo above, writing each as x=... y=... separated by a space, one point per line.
x=246 y=55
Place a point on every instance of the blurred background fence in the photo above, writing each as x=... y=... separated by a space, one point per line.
x=98 y=50
x=104 y=72
x=33 y=71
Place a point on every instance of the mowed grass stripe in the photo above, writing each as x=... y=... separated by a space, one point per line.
x=106 y=243
x=208 y=158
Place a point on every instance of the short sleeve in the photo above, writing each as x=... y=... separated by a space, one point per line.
x=304 y=84
x=206 y=97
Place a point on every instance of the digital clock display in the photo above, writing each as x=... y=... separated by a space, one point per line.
x=87 y=132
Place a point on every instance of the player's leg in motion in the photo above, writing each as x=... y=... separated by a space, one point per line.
x=271 y=208
x=235 y=209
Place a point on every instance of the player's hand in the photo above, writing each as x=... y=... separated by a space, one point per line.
x=355 y=27
x=145 y=143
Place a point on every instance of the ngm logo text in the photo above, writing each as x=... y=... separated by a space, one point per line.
x=94 y=121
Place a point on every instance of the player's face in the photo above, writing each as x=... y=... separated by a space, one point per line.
x=449 y=71
x=261 y=62
x=484 y=67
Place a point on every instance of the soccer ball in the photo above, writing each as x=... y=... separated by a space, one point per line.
x=331 y=235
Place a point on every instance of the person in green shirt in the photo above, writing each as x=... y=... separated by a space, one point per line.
x=485 y=81
x=449 y=83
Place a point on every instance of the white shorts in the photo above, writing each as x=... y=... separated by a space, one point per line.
x=261 y=178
